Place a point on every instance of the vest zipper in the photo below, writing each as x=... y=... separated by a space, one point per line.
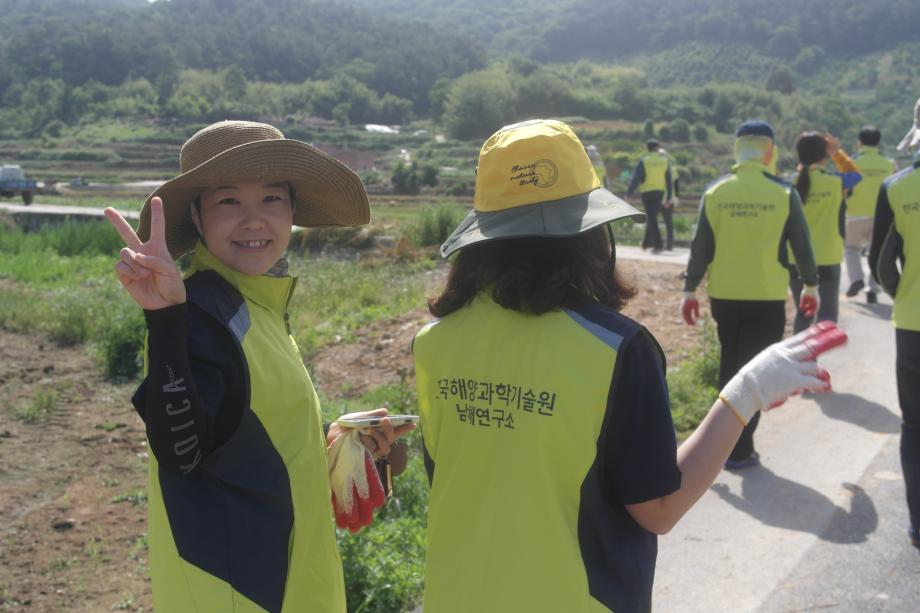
x=287 y=302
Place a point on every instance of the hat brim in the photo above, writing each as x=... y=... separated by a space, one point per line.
x=327 y=192
x=564 y=217
x=910 y=140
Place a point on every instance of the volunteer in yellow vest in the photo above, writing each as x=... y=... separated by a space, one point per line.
x=746 y=220
x=823 y=202
x=545 y=415
x=896 y=244
x=652 y=177
x=239 y=494
x=874 y=168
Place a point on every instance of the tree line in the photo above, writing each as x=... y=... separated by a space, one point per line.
x=67 y=61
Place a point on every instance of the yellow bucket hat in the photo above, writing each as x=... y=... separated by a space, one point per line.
x=535 y=179
x=327 y=192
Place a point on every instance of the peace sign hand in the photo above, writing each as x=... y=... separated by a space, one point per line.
x=147 y=270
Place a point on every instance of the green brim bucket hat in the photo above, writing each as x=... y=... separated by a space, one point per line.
x=535 y=179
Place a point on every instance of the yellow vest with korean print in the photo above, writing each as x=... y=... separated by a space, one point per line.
x=904 y=198
x=747 y=211
x=874 y=168
x=511 y=408
x=656 y=169
x=251 y=529
x=822 y=212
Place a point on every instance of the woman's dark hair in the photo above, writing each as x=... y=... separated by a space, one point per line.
x=535 y=275
x=811 y=149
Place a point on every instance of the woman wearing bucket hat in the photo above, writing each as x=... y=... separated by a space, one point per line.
x=545 y=413
x=894 y=259
x=239 y=488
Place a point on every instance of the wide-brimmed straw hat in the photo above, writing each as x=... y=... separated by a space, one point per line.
x=535 y=179
x=912 y=138
x=326 y=191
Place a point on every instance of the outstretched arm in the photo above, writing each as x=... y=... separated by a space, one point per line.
x=779 y=371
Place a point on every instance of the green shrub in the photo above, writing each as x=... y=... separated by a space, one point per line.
x=694 y=385
x=42 y=405
x=435 y=223
x=83 y=238
x=121 y=341
x=384 y=565
x=71 y=316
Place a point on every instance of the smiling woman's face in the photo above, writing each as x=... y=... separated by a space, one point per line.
x=246 y=225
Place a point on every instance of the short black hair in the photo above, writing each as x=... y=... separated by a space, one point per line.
x=652 y=144
x=870 y=136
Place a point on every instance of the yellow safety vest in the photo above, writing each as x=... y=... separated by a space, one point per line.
x=512 y=406
x=251 y=530
x=656 y=169
x=874 y=168
x=904 y=198
x=822 y=212
x=747 y=211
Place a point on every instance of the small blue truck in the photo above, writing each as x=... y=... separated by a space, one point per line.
x=13 y=181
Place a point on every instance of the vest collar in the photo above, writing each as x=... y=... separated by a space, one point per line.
x=271 y=290
x=866 y=150
x=750 y=166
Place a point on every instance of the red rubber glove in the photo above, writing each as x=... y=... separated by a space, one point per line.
x=809 y=301
x=356 y=486
x=690 y=308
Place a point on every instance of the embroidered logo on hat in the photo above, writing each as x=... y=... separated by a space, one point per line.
x=535 y=178
x=542 y=173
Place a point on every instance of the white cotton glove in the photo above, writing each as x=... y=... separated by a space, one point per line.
x=356 y=486
x=781 y=370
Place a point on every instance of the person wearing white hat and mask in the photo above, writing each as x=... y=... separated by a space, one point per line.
x=239 y=514
x=544 y=412
x=894 y=259
x=747 y=220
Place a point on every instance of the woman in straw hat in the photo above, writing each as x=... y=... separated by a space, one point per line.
x=238 y=495
x=545 y=413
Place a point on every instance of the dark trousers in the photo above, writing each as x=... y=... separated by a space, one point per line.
x=745 y=328
x=667 y=214
x=828 y=294
x=907 y=367
x=652 y=203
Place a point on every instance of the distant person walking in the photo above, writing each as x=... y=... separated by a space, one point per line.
x=874 y=168
x=652 y=177
x=746 y=220
x=896 y=242
x=823 y=197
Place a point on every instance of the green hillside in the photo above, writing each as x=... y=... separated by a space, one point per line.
x=118 y=83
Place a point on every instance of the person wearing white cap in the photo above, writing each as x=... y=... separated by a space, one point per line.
x=746 y=221
x=894 y=259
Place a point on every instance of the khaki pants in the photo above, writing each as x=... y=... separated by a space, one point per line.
x=858 y=236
